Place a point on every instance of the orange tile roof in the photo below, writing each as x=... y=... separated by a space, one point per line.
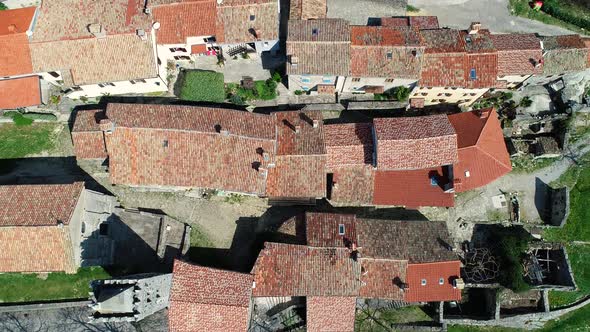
x=482 y=150
x=20 y=92
x=15 y=57
x=322 y=229
x=181 y=20
x=330 y=314
x=433 y=290
x=378 y=276
x=16 y=20
x=35 y=249
x=410 y=188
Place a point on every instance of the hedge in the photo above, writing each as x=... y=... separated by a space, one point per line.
x=565 y=14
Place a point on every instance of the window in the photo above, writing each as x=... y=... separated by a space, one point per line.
x=101 y=85
x=306 y=80
x=473 y=74
x=467 y=174
x=165 y=144
x=433 y=181
x=305 y=88
x=326 y=80
x=356 y=79
x=389 y=55
x=341 y=229
x=111 y=84
x=314 y=32
x=178 y=49
x=182 y=57
x=423 y=282
x=141 y=80
x=54 y=74
x=441 y=281
x=389 y=80
x=252 y=17
x=76 y=88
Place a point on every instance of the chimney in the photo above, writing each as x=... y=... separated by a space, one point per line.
x=265 y=156
x=297 y=129
x=12 y=29
x=294 y=60
x=474 y=28
x=141 y=34
x=96 y=30
x=316 y=123
x=106 y=125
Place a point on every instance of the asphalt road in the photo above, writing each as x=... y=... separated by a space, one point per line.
x=493 y=14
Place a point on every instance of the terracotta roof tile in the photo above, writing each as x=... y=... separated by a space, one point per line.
x=482 y=150
x=349 y=144
x=419 y=22
x=38 y=205
x=88 y=120
x=384 y=36
x=308 y=141
x=331 y=314
x=352 y=185
x=415 y=142
x=292 y=270
x=432 y=273
x=181 y=20
x=35 y=249
x=234 y=17
x=69 y=19
x=113 y=58
x=391 y=62
x=322 y=229
x=412 y=189
x=516 y=42
x=16 y=20
x=382 y=278
x=301 y=176
x=208 y=299
x=327 y=30
x=562 y=42
x=20 y=92
x=15 y=58
x=443 y=69
x=443 y=41
x=308 y=9
x=415 y=241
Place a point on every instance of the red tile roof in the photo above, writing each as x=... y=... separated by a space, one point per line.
x=482 y=150
x=382 y=278
x=322 y=229
x=349 y=144
x=16 y=20
x=36 y=249
x=443 y=69
x=293 y=270
x=206 y=299
x=15 y=57
x=516 y=41
x=38 y=205
x=415 y=142
x=419 y=22
x=383 y=36
x=352 y=185
x=235 y=26
x=331 y=314
x=411 y=189
x=181 y=20
x=20 y=92
x=88 y=120
x=307 y=9
x=433 y=290
x=308 y=141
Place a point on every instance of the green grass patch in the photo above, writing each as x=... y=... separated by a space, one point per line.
x=527 y=164
x=199 y=238
x=465 y=328
x=579 y=256
x=20 y=141
x=201 y=85
x=377 y=320
x=522 y=8
x=412 y=9
x=262 y=90
x=21 y=287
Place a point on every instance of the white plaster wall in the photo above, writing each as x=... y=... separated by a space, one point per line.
x=513 y=80
x=350 y=86
x=433 y=95
x=309 y=82
x=121 y=87
x=75 y=227
x=53 y=80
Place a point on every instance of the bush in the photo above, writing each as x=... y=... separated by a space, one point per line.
x=276 y=76
x=412 y=9
x=20 y=120
x=199 y=85
x=511 y=250
x=401 y=93
x=245 y=55
x=299 y=92
x=526 y=102
x=566 y=14
x=3 y=6
x=40 y=116
x=235 y=99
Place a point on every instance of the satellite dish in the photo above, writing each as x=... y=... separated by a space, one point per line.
x=156 y=25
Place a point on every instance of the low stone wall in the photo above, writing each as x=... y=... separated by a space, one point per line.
x=42 y=306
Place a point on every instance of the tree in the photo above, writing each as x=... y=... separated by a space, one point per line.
x=401 y=93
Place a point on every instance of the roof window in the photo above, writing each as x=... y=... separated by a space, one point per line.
x=314 y=32
x=433 y=181
x=341 y=229
x=252 y=17
x=423 y=282
x=389 y=55
x=441 y=281
x=165 y=144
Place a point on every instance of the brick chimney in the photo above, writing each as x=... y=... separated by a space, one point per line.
x=474 y=28
x=316 y=123
x=106 y=125
x=297 y=129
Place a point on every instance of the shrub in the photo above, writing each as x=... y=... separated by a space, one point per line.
x=84 y=99
x=511 y=250
x=3 y=6
x=40 y=116
x=235 y=99
x=298 y=92
x=198 y=85
x=276 y=76
x=20 y=120
x=55 y=99
x=526 y=102
x=245 y=55
x=401 y=93
x=565 y=14
x=412 y=9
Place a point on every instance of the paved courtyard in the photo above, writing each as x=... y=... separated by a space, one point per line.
x=359 y=11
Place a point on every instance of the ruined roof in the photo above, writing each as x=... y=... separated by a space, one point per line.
x=308 y=9
x=242 y=21
x=516 y=41
x=38 y=204
x=562 y=42
x=384 y=36
x=482 y=149
x=564 y=54
x=20 y=92
x=114 y=58
x=415 y=241
x=439 y=277
x=293 y=270
x=349 y=144
x=418 y=22
x=70 y=19
x=418 y=188
x=415 y=142
x=181 y=20
x=323 y=229
x=443 y=41
x=204 y=298
x=334 y=313
x=35 y=249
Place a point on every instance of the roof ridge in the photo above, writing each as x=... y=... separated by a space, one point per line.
x=485 y=124
x=494 y=158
